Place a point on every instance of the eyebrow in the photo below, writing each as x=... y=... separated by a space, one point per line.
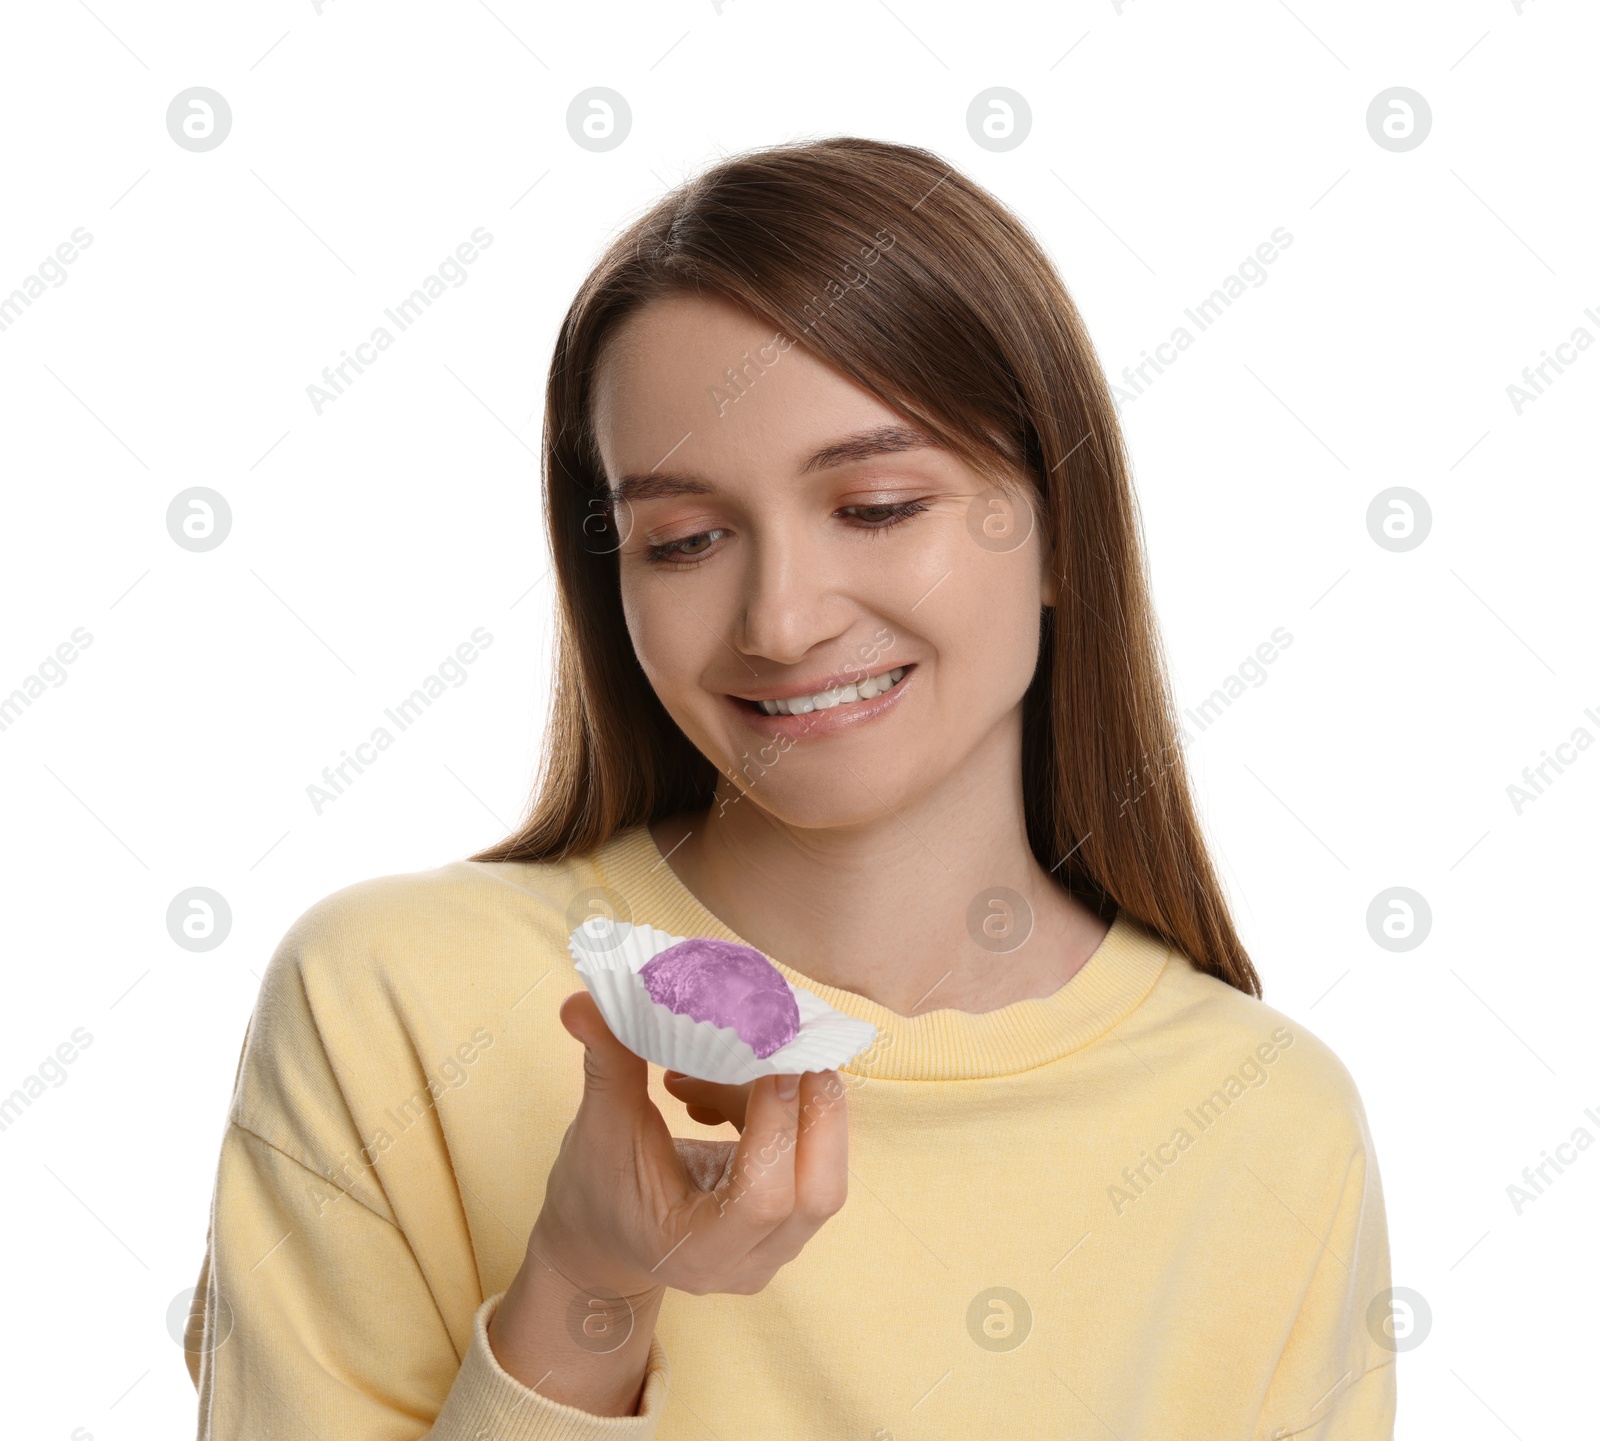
x=863 y=445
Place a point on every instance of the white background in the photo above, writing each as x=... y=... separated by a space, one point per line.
x=367 y=542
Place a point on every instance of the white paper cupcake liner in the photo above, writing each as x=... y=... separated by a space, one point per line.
x=609 y=955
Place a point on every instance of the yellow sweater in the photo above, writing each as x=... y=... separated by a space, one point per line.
x=1145 y=1206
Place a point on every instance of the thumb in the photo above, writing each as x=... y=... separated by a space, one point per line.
x=609 y=1067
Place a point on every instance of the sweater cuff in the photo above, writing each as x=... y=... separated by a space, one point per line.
x=486 y=1400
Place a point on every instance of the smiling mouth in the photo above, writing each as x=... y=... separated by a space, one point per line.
x=844 y=695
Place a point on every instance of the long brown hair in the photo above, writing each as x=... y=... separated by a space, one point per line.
x=923 y=289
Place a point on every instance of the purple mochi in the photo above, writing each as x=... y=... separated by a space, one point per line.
x=725 y=984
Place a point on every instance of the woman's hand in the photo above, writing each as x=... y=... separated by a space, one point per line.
x=629 y=1210
x=710 y=1102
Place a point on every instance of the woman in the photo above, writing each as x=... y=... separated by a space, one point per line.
x=857 y=666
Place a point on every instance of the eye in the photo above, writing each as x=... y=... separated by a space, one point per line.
x=889 y=515
x=667 y=551
x=693 y=548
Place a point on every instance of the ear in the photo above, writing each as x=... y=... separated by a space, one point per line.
x=1049 y=581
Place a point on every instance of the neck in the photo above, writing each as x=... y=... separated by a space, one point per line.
x=938 y=904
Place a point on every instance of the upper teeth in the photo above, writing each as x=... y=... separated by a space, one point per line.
x=840 y=694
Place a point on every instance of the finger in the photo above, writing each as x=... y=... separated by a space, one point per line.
x=729 y=1102
x=759 y=1194
x=821 y=1170
x=615 y=1080
x=725 y=1102
x=616 y=1123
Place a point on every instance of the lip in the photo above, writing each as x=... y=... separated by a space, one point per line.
x=820 y=684
x=822 y=722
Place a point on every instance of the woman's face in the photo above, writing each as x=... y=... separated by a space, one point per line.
x=784 y=532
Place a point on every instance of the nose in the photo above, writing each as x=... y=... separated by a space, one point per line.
x=791 y=595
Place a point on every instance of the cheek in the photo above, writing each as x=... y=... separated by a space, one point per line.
x=652 y=638
x=670 y=643
x=1000 y=633
x=988 y=605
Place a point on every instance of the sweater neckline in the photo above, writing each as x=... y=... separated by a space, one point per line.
x=941 y=1045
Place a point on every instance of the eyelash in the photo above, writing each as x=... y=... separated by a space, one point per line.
x=662 y=554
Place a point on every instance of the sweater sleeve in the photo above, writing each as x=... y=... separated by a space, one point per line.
x=1335 y=1379
x=317 y=1321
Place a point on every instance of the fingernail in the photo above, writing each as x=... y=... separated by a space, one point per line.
x=788 y=1087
